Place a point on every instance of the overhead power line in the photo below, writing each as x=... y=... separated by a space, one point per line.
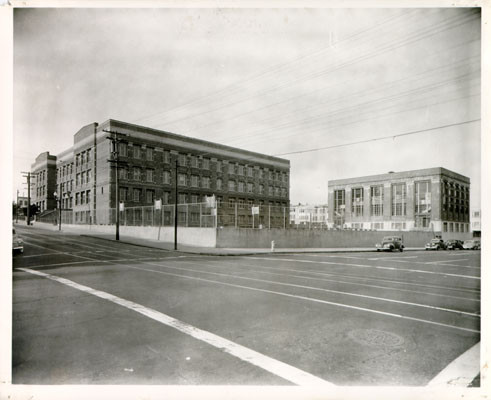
x=377 y=139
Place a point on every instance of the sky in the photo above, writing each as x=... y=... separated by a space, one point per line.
x=275 y=81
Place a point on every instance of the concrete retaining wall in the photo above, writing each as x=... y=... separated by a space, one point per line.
x=203 y=237
x=255 y=238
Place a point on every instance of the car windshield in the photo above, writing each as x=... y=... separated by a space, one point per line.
x=469 y=241
x=435 y=241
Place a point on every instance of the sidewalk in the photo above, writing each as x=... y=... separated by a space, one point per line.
x=211 y=251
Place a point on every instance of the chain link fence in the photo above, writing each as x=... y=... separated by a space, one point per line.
x=202 y=215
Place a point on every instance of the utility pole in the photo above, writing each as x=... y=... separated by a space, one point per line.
x=115 y=159
x=175 y=209
x=28 y=176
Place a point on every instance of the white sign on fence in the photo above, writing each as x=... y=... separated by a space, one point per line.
x=158 y=204
x=255 y=210
x=210 y=201
x=121 y=206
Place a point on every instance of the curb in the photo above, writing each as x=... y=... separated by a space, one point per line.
x=241 y=254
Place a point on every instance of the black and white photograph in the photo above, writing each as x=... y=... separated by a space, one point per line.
x=265 y=197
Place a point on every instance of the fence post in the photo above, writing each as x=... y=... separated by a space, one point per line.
x=235 y=215
x=200 y=214
x=143 y=217
x=284 y=217
x=187 y=215
x=269 y=216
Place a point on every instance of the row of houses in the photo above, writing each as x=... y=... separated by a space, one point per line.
x=154 y=165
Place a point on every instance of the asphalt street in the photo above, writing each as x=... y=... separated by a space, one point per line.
x=92 y=311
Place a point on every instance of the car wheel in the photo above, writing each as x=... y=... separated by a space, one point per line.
x=401 y=249
x=378 y=250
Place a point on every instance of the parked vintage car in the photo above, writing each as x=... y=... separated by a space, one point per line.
x=390 y=243
x=472 y=244
x=435 y=244
x=17 y=242
x=453 y=244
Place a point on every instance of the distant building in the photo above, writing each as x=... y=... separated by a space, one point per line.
x=428 y=199
x=476 y=223
x=43 y=181
x=306 y=215
x=85 y=181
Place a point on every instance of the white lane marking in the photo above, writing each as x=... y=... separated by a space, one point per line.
x=303 y=298
x=447 y=261
x=367 y=266
x=426 y=263
x=59 y=252
x=322 y=290
x=276 y=367
x=319 y=278
x=390 y=258
x=460 y=372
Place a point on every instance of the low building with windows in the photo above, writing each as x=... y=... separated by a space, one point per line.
x=309 y=216
x=428 y=199
x=150 y=162
x=476 y=223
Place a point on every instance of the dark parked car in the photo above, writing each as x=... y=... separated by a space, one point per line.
x=390 y=243
x=435 y=244
x=472 y=244
x=454 y=244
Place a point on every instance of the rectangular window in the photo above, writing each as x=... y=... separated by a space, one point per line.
x=206 y=163
x=250 y=187
x=150 y=175
x=260 y=173
x=194 y=181
x=194 y=161
x=399 y=199
x=182 y=198
x=89 y=175
x=205 y=182
x=149 y=154
x=136 y=174
x=166 y=156
x=77 y=199
x=241 y=203
x=445 y=227
x=231 y=186
x=422 y=197
x=219 y=184
x=82 y=157
x=231 y=202
x=137 y=194
x=150 y=196
x=123 y=193
x=165 y=197
x=77 y=160
x=357 y=202
x=240 y=170
x=261 y=189
x=231 y=169
x=83 y=178
x=88 y=196
x=241 y=187
x=182 y=160
x=277 y=191
x=123 y=173
x=250 y=172
x=123 y=149
x=136 y=151
x=219 y=166
x=166 y=177
x=82 y=197
x=182 y=180
x=88 y=156
x=339 y=207
x=377 y=200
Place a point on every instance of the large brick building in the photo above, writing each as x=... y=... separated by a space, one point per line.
x=85 y=180
x=43 y=181
x=428 y=199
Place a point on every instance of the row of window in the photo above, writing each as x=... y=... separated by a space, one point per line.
x=82 y=197
x=422 y=200
x=41 y=176
x=455 y=227
x=81 y=158
x=184 y=160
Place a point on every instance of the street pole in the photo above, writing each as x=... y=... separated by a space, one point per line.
x=115 y=159
x=175 y=210
x=28 y=198
x=59 y=219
